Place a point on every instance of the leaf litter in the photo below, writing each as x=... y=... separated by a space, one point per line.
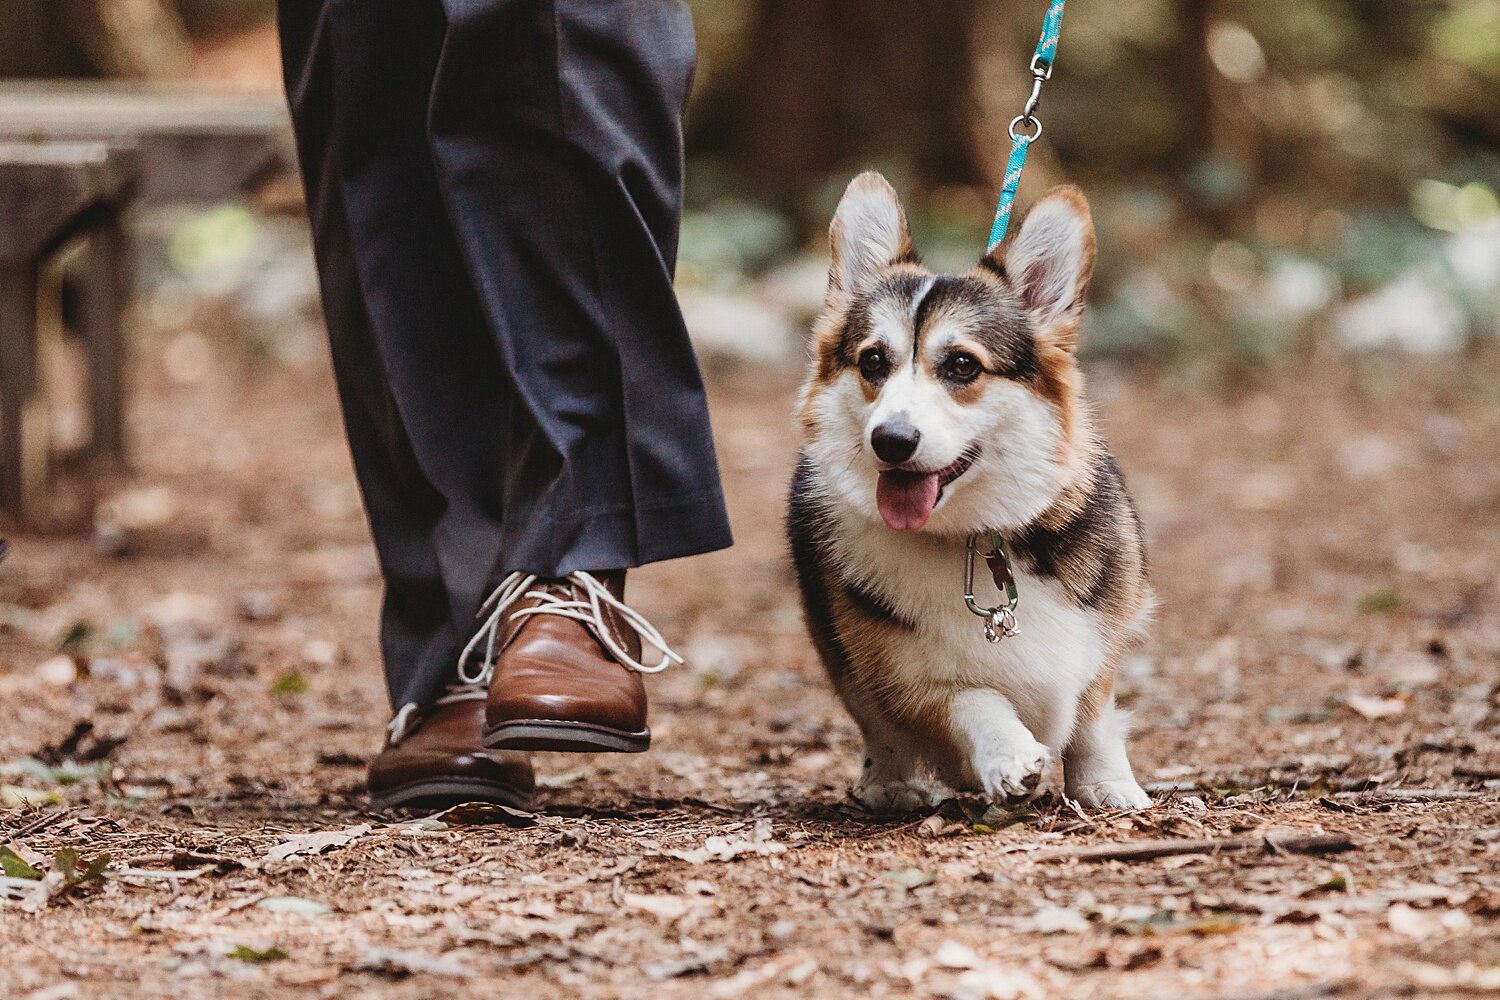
x=729 y=861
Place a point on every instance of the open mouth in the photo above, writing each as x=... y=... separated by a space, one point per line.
x=907 y=497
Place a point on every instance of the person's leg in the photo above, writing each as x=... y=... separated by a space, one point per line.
x=417 y=375
x=424 y=394
x=556 y=128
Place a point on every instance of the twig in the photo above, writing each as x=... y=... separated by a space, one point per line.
x=41 y=822
x=1146 y=850
x=1425 y=795
x=1302 y=993
x=185 y=860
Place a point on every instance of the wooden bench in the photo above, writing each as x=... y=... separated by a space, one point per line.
x=192 y=146
x=50 y=193
x=75 y=155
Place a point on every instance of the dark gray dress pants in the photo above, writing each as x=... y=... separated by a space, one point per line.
x=495 y=189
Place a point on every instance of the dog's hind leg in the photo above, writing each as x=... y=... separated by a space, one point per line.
x=1096 y=771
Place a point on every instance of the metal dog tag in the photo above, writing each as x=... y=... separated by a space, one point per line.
x=1000 y=625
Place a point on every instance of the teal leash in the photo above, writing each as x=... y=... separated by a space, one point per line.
x=1000 y=621
x=1041 y=72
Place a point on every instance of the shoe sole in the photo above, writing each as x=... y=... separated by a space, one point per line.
x=440 y=793
x=566 y=737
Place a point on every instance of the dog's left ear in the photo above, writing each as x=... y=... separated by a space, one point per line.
x=1050 y=261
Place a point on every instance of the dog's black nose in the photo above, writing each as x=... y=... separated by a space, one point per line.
x=895 y=441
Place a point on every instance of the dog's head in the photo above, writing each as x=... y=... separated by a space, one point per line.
x=948 y=402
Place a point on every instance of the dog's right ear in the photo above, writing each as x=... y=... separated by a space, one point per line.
x=868 y=234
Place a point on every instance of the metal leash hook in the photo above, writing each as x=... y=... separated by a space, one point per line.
x=1000 y=622
x=1020 y=138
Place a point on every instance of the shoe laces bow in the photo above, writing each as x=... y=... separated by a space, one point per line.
x=587 y=600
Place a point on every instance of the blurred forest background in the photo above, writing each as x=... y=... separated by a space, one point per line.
x=1297 y=200
x=1262 y=171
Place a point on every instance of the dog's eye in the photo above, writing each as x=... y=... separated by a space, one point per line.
x=872 y=363
x=962 y=366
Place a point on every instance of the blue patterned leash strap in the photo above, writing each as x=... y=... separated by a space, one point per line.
x=1021 y=140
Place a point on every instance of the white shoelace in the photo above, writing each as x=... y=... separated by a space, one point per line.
x=589 y=609
x=474 y=686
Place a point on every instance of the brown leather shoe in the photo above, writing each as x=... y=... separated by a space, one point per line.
x=435 y=757
x=566 y=668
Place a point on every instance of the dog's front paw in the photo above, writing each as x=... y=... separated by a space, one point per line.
x=1111 y=795
x=1013 y=773
x=902 y=795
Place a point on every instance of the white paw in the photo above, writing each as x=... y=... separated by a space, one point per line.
x=898 y=796
x=1110 y=795
x=1014 y=773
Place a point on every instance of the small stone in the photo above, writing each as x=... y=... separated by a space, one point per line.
x=57 y=671
x=320 y=652
x=258 y=606
x=953 y=955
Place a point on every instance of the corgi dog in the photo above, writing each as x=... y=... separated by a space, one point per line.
x=938 y=407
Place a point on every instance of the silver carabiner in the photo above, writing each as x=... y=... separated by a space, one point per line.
x=999 y=622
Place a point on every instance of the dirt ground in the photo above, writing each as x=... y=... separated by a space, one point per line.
x=1325 y=540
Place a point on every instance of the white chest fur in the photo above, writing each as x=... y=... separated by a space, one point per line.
x=1042 y=671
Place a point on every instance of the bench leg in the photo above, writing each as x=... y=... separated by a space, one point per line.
x=18 y=291
x=102 y=300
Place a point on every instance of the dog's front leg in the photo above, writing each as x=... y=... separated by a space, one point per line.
x=1096 y=771
x=889 y=780
x=1001 y=755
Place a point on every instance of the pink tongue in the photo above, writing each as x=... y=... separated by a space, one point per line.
x=906 y=499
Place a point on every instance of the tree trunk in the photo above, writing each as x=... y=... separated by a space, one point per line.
x=134 y=39
x=34 y=41
x=832 y=86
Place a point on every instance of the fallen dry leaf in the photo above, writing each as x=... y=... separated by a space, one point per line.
x=1057 y=920
x=720 y=848
x=668 y=908
x=307 y=844
x=294 y=904
x=1375 y=708
x=1408 y=921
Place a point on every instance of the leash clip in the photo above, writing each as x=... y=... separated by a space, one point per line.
x=1000 y=622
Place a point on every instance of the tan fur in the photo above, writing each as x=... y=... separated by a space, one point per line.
x=1099 y=695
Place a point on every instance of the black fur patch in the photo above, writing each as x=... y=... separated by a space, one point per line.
x=924 y=307
x=992 y=319
x=803 y=523
x=805 y=530
x=873 y=605
x=856 y=327
x=1083 y=552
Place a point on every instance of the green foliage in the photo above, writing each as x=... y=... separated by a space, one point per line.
x=731 y=237
x=66 y=862
x=76 y=637
x=289 y=684
x=14 y=866
x=1380 y=602
x=66 y=773
x=1469 y=35
x=1339 y=143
